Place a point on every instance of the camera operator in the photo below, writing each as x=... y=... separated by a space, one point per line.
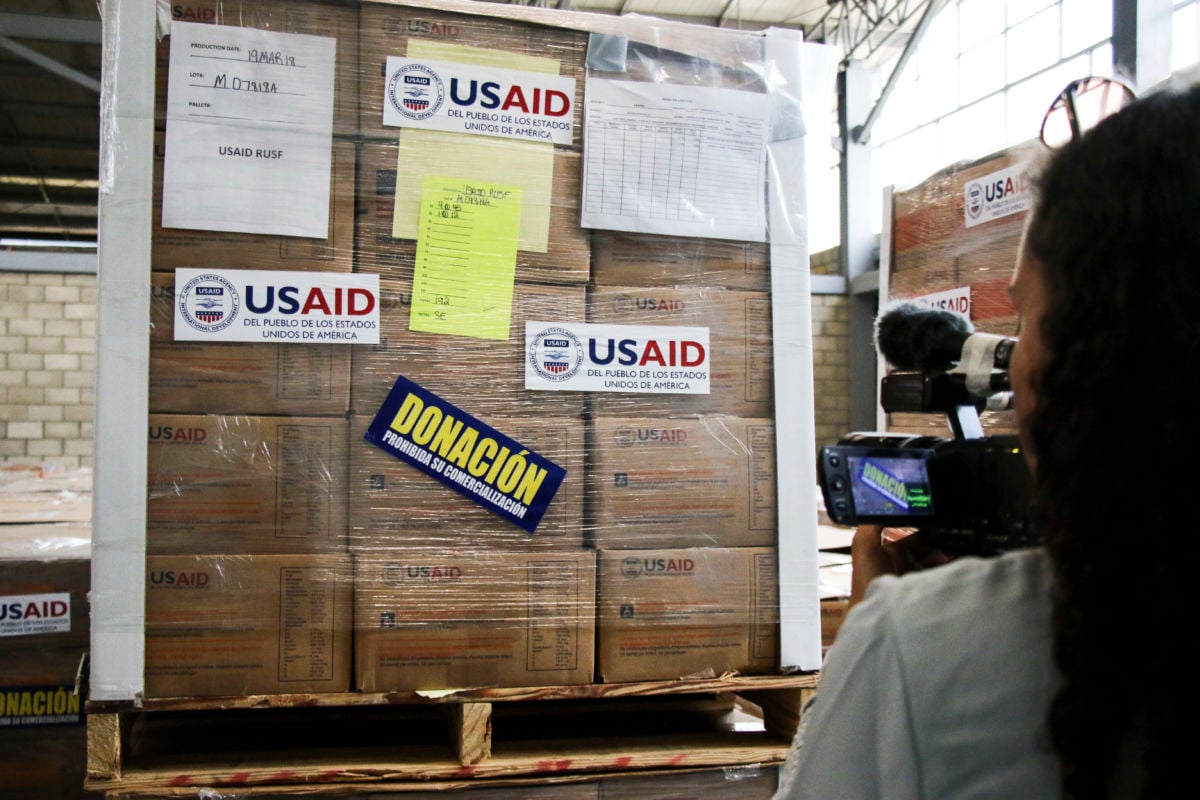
x=1058 y=671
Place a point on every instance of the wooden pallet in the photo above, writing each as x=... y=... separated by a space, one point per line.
x=330 y=743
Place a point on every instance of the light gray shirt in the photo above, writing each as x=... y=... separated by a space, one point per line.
x=937 y=687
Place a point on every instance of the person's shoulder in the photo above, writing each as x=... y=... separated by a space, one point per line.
x=1017 y=574
x=981 y=597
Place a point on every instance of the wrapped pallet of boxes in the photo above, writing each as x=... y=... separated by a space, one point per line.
x=955 y=238
x=44 y=582
x=454 y=433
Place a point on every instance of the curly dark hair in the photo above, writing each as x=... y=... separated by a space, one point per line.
x=1116 y=229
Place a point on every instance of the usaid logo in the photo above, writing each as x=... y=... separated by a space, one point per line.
x=209 y=303
x=416 y=91
x=631 y=568
x=974 y=200
x=555 y=354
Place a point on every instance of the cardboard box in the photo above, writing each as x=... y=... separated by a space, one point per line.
x=312 y=17
x=659 y=482
x=180 y=247
x=934 y=250
x=443 y=619
x=740 y=342
x=484 y=377
x=639 y=259
x=45 y=577
x=395 y=505
x=239 y=377
x=569 y=252
x=667 y=614
x=395 y=30
x=241 y=484
x=236 y=625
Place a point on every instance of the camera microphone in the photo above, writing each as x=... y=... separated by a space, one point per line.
x=931 y=340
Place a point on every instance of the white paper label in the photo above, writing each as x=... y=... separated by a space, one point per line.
x=645 y=359
x=248 y=305
x=486 y=101
x=249 y=131
x=675 y=160
x=1000 y=194
x=29 y=614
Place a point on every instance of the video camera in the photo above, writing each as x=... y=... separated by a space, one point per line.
x=968 y=494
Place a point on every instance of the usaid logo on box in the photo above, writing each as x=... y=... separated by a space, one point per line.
x=1000 y=194
x=29 y=614
x=244 y=305
x=485 y=101
x=583 y=357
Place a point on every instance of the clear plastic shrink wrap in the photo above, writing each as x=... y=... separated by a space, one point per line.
x=289 y=552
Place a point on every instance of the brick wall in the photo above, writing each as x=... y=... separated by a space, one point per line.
x=47 y=368
x=831 y=342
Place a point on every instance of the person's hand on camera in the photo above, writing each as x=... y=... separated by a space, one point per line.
x=876 y=551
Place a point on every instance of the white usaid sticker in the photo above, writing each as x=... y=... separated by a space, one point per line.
x=248 y=305
x=29 y=614
x=1000 y=194
x=648 y=359
x=956 y=300
x=485 y=101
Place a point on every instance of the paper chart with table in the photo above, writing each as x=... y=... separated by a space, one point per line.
x=675 y=160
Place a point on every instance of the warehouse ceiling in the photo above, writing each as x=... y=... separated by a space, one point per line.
x=50 y=56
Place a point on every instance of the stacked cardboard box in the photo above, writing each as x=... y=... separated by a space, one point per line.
x=687 y=612
x=682 y=482
x=506 y=607
x=246 y=484
x=430 y=618
x=693 y=473
x=247 y=624
x=45 y=575
x=393 y=505
x=639 y=259
x=248 y=578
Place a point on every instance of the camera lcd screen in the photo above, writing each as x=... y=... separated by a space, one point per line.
x=889 y=486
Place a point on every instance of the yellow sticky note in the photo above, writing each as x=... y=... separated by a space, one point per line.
x=466 y=258
x=509 y=162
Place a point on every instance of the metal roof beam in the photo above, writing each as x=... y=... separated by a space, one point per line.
x=50 y=29
x=49 y=64
x=862 y=133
